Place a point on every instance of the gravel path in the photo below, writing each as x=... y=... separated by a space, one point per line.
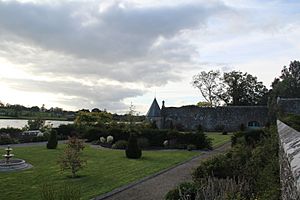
x=155 y=188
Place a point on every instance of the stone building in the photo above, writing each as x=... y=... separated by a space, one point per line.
x=227 y=118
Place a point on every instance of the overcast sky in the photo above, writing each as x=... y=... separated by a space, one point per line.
x=106 y=54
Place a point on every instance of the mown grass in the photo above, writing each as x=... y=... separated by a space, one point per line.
x=105 y=171
x=218 y=139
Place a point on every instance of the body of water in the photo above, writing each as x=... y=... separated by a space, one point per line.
x=20 y=123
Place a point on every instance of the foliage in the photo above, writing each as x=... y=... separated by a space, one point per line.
x=291 y=120
x=286 y=86
x=186 y=190
x=209 y=85
x=199 y=139
x=84 y=118
x=120 y=144
x=133 y=151
x=66 y=192
x=52 y=142
x=71 y=158
x=35 y=124
x=254 y=157
x=243 y=89
x=66 y=129
x=204 y=104
x=6 y=139
x=234 y=88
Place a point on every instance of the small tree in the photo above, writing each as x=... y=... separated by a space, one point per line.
x=133 y=150
x=52 y=141
x=71 y=157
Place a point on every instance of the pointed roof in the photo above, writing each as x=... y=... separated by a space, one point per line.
x=154 y=110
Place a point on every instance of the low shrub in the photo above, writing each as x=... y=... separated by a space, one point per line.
x=6 y=139
x=133 y=151
x=224 y=133
x=186 y=190
x=199 y=139
x=120 y=144
x=156 y=137
x=95 y=133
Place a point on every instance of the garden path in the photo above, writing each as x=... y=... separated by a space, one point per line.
x=155 y=187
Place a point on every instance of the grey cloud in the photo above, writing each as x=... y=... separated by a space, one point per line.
x=114 y=35
x=77 y=94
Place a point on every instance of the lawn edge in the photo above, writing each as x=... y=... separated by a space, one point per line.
x=130 y=185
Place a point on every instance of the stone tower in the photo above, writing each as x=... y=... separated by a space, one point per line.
x=154 y=114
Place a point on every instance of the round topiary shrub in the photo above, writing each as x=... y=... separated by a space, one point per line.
x=110 y=139
x=133 y=151
x=52 y=142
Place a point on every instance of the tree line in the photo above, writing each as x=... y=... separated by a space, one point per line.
x=236 y=88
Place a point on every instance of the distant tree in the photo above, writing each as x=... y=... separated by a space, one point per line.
x=209 y=84
x=92 y=118
x=35 y=124
x=71 y=158
x=52 y=141
x=35 y=109
x=96 y=110
x=243 y=89
x=286 y=86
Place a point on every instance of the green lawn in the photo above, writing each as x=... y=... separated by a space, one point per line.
x=218 y=139
x=105 y=171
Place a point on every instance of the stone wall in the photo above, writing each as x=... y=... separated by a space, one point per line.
x=227 y=118
x=289 y=105
x=289 y=156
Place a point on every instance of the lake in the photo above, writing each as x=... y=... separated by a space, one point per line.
x=20 y=123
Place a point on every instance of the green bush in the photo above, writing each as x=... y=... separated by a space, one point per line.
x=6 y=139
x=199 y=139
x=120 y=144
x=94 y=133
x=133 y=151
x=52 y=142
x=186 y=190
x=254 y=157
x=156 y=137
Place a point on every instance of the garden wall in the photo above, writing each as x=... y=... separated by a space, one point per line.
x=228 y=118
x=289 y=156
x=289 y=105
